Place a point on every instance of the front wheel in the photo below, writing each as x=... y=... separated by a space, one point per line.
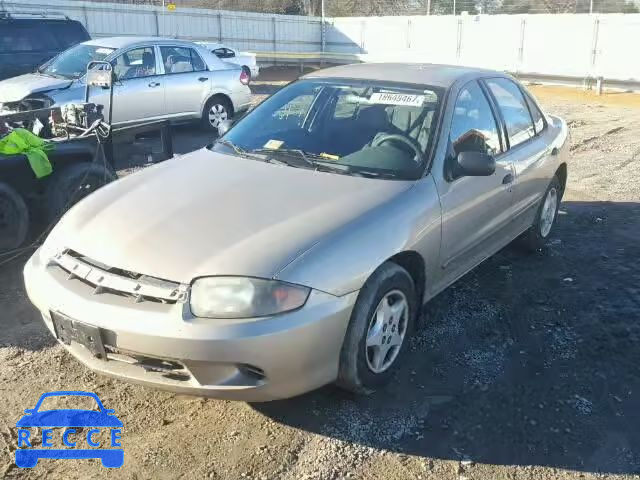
x=381 y=324
x=534 y=238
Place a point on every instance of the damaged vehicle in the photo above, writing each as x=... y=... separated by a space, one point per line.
x=156 y=79
x=299 y=249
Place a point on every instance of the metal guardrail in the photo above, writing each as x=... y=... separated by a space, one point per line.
x=302 y=58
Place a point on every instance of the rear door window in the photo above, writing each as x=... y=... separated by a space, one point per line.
x=181 y=60
x=514 y=110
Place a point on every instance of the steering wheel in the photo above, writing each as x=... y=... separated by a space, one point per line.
x=396 y=137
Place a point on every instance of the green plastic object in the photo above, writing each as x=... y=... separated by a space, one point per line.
x=21 y=141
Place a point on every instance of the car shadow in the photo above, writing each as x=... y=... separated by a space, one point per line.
x=20 y=323
x=527 y=360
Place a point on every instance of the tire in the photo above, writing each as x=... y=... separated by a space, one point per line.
x=534 y=238
x=217 y=109
x=71 y=184
x=247 y=70
x=14 y=218
x=360 y=370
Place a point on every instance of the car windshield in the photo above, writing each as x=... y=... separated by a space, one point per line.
x=344 y=126
x=72 y=63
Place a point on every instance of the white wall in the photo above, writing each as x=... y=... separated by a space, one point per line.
x=573 y=45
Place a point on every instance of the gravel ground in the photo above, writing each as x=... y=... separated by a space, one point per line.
x=528 y=368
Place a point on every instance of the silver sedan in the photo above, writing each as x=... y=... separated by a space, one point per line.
x=157 y=79
x=299 y=249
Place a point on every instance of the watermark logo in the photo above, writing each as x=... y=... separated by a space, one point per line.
x=86 y=433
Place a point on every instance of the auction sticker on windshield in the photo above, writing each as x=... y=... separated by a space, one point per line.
x=397 y=99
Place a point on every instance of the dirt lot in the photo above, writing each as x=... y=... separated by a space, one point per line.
x=528 y=368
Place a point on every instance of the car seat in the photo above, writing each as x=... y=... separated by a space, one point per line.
x=415 y=122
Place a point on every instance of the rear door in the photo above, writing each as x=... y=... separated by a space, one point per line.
x=476 y=211
x=527 y=147
x=24 y=45
x=187 y=80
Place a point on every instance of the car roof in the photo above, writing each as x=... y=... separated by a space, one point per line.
x=40 y=16
x=418 y=73
x=125 y=42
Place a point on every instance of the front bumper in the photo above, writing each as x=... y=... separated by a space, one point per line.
x=164 y=346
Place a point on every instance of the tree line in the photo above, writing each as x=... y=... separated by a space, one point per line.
x=367 y=8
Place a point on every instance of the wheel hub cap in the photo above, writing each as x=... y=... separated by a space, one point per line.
x=217 y=114
x=548 y=214
x=386 y=332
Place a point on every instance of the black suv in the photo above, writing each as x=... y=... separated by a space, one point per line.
x=27 y=40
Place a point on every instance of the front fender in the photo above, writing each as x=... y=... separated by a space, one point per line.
x=343 y=261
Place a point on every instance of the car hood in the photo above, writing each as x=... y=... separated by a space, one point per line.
x=207 y=213
x=17 y=88
x=69 y=418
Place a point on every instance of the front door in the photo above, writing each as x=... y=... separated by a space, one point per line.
x=139 y=91
x=476 y=211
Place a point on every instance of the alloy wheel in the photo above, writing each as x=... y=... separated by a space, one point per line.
x=386 y=332
x=217 y=114
x=548 y=213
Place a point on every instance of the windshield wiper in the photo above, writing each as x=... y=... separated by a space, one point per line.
x=241 y=151
x=232 y=146
x=319 y=162
x=290 y=152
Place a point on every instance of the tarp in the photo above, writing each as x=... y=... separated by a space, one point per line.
x=21 y=141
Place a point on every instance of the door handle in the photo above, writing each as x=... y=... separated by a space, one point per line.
x=508 y=178
x=154 y=84
x=203 y=79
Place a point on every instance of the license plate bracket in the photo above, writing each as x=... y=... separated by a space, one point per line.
x=68 y=330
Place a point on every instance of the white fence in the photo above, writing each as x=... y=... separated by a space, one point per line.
x=572 y=45
x=567 y=45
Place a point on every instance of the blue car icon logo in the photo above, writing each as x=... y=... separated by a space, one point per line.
x=70 y=419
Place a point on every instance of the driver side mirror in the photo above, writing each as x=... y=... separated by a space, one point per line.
x=475 y=164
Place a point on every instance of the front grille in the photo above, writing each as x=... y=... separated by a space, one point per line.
x=111 y=280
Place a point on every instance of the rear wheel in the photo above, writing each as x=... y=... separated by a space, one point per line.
x=217 y=110
x=71 y=184
x=381 y=324
x=14 y=218
x=534 y=238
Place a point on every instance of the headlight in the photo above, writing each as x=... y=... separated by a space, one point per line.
x=242 y=297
